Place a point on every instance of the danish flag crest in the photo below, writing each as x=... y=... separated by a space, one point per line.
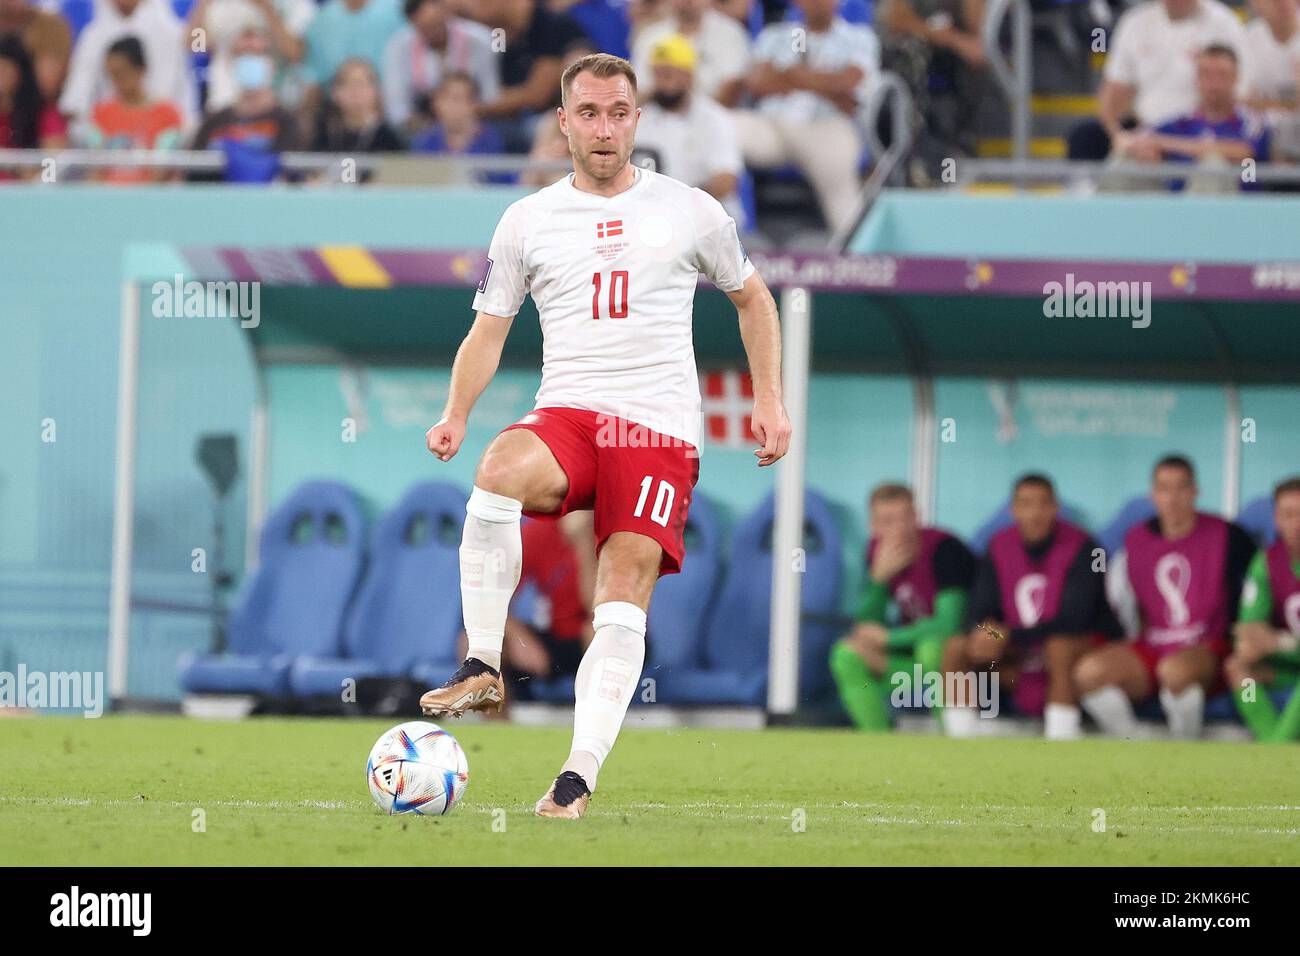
x=727 y=400
x=609 y=229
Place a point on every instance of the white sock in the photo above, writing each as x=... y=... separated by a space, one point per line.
x=1112 y=710
x=607 y=678
x=1062 y=722
x=490 y=558
x=960 y=721
x=1185 y=712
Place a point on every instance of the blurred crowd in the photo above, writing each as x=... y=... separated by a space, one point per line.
x=728 y=87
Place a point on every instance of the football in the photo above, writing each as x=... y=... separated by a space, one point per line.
x=417 y=767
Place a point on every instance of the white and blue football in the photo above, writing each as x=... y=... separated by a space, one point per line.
x=417 y=767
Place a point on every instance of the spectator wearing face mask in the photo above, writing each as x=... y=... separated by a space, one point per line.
x=256 y=129
x=689 y=136
x=222 y=21
x=131 y=118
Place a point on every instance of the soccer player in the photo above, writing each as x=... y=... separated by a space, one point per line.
x=1038 y=605
x=926 y=573
x=611 y=255
x=1267 y=649
x=1183 y=571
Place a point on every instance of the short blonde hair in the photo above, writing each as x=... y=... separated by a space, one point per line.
x=600 y=65
x=890 y=491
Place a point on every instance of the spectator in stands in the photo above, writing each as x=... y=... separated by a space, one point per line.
x=221 y=21
x=604 y=21
x=559 y=561
x=458 y=130
x=809 y=88
x=131 y=118
x=26 y=120
x=689 y=136
x=1177 y=585
x=353 y=121
x=1038 y=605
x=166 y=51
x=1216 y=134
x=341 y=30
x=926 y=573
x=1266 y=650
x=256 y=129
x=1271 y=71
x=1150 y=71
x=47 y=39
x=432 y=44
x=936 y=47
x=531 y=65
x=721 y=50
x=549 y=143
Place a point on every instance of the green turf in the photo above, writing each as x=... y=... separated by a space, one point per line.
x=122 y=790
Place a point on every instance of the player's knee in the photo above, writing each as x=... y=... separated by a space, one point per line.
x=1090 y=673
x=1235 y=672
x=1060 y=654
x=842 y=657
x=1173 y=674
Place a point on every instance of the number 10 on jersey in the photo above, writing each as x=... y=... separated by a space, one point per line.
x=663 y=503
x=617 y=294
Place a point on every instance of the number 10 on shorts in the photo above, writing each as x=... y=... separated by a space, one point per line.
x=663 y=505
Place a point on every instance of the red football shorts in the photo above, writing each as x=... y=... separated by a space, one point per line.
x=1151 y=654
x=632 y=478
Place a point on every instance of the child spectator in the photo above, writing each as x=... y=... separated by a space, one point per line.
x=131 y=118
x=353 y=121
x=166 y=50
x=432 y=44
x=458 y=131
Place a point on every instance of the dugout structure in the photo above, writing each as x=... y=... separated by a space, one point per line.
x=1222 y=325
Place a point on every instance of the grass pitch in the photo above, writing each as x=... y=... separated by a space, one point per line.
x=123 y=791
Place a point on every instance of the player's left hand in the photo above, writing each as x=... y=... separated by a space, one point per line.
x=771 y=426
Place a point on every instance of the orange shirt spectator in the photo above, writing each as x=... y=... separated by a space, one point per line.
x=131 y=119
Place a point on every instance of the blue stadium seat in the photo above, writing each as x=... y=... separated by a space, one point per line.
x=680 y=607
x=407 y=610
x=748 y=203
x=1134 y=511
x=979 y=542
x=312 y=552
x=733 y=667
x=678 y=610
x=1257 y=519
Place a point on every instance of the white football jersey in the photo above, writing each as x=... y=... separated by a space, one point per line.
x=614 y=282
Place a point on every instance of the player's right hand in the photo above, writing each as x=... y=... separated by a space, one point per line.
x=444 y=438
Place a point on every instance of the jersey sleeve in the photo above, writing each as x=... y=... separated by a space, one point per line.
x=719 y=254
x=504 y=284
x=1256 y=604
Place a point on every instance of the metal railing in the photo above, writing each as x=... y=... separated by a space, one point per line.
x=1114 y=175
x=1014 y=76
x=888 y=89
x=327 y=168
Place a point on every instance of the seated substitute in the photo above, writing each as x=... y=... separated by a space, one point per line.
x=1266 y=650
x=1038 y=605
x=1183 y=571
x=926 y=572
